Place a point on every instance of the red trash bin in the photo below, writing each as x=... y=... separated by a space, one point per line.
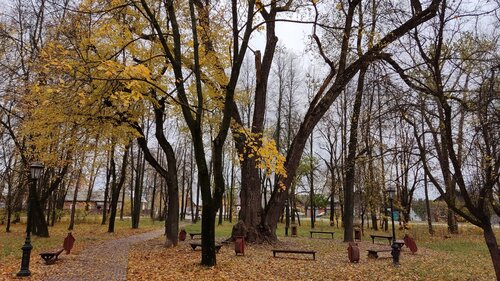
x=239 y=245
x=182 y=235
x=353 y=252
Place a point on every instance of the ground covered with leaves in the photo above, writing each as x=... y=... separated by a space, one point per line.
x=87 y=235
x=462 y=257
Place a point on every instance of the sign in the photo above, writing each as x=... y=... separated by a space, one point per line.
x=395 y=215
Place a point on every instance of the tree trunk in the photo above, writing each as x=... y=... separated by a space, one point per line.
x=491 y=243
x=197 y=213
x=73 y=204
x=374 y=221
x=106 y=188
x=183 y=187
x=172 y=222
x=250 y=200
x=138 y=190
x=351 y=162
x=39 y=223
x=116 y=187
x=9 y=207
x=208 y=241
x=231 y=195
x=311 y=176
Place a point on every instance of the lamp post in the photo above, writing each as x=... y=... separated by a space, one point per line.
x=35 y=173
x=395 y=247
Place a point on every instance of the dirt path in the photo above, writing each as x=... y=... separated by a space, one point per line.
x=106 y=261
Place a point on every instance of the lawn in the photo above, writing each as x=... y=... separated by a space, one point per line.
x=439 y=257
x=459 y=257
x=86 y=234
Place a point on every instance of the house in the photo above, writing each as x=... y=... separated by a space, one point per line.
x=96 y=202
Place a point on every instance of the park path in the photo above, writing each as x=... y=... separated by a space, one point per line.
x=105 y=261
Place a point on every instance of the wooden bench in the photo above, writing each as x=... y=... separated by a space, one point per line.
x=194 y=245
x=194 y=234
x=373 y=236
x=373 y=253
x=51 y=257
x=313 y=253
x=321 y=232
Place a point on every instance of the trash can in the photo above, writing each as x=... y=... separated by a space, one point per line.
x=353 y=252
x=182 y=235
x=294 y=230
x=239 y=245
x=357 y=234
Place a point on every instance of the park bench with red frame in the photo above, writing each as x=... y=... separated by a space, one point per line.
x=50 y=257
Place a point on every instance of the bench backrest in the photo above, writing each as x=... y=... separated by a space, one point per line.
x=68 y=243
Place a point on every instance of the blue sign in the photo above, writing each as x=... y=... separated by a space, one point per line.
x=395 y=215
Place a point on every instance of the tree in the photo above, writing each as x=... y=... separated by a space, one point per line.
x=466 y=162
x=339 y=75
x=250 y=196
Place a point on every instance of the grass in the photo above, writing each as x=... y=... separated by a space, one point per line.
x=456 y=257
x=460 y=257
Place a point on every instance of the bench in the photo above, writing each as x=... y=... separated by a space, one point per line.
x=194 y=245
x=373 y=253
x=51 y=257
x=373 y=236
x=194 y=234
x=321 y=232
x=313 y=253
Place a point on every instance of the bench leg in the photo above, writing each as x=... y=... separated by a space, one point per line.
x=314 y=256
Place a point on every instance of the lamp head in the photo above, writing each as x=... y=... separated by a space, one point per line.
x=36 y=170
x=391 y=191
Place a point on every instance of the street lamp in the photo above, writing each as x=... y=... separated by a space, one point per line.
x=35 y=173
x=395 y=247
